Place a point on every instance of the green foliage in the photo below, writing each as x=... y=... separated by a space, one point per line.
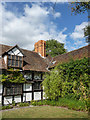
x=63 y=102
x=52 y=85
x=87 y=33
x=6 y=107
x=53 y=48
x=13 y=103
x=13 y=76
x=80 y=7
x=23 y=104
x=70 y=80
x=33 y=102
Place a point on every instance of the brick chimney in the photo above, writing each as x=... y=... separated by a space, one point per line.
x=40 y=47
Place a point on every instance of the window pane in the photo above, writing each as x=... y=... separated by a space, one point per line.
x=16 y=57
x=9 y=56
x=16 y=63
x=8 y=91
x=20 y=63
x=13 y=62
x=28 y=76
x=37 y=86
x=37 y=76
x=9 y=62
x=20 y=58
x=13 y=57
x=13 y=90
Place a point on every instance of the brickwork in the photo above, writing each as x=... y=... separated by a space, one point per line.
x=40 y=47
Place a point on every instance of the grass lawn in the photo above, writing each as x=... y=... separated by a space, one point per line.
x=43 y=112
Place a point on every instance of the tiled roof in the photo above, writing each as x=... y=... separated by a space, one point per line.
x=32 y=59
x=75 y=54
x=34 y=62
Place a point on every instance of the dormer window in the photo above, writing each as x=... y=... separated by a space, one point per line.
x=15 y=61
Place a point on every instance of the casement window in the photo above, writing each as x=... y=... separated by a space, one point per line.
x=37 y=76
x=12 y=89
x=37 y=86
x=15 y=61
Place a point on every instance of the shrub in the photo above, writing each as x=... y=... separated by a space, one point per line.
x=68 y=80
x=23 y=104
x=6 y=107
x=33 y=102
x=13 y=103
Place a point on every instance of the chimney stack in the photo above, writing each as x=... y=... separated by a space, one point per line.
x=40 y=47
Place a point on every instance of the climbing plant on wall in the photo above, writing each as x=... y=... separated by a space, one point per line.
x=68 y=80
x=13 y=76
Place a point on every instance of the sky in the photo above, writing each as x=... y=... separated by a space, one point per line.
x=24 y=23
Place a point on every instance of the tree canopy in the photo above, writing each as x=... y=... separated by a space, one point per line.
x=81 y=7
x=53 y=48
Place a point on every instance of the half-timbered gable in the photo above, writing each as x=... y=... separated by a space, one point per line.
x=31 y=65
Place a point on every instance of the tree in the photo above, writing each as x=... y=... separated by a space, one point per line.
x=78 y=8
x=53 y=48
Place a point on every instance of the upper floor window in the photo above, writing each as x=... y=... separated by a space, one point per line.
x=15 y=61
x=37 y=76
x=28 y=76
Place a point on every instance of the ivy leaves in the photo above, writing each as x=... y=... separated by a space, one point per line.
x=68 y=80
x=13 y=76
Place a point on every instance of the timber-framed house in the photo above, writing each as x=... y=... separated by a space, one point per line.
x=32 y=64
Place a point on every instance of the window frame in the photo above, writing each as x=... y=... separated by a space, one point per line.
x=20 y=59
x=37 y=75
x=37 y=87
x=12 y=88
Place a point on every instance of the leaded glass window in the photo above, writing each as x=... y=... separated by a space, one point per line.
x=37 y=76
x=15 y=61
x=37 y=86
x=12 y=89
x=28 y=76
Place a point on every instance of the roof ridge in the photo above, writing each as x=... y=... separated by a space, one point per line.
x=19 y=47
x=71 y=51
x=7 y=45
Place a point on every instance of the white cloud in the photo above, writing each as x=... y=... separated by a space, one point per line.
x=28 y=29
x=78 y=31
x=62 y=37
x=57 y=14
x=58 y=0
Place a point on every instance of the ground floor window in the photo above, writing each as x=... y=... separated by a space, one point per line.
x=12 y=89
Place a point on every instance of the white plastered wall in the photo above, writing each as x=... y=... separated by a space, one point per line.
x=37 y=95
x=17 y=99
x=8 y=100
x=16 y=51
x=27 y=96
x=43 y=95
x=1 y=87
x=5 y=59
